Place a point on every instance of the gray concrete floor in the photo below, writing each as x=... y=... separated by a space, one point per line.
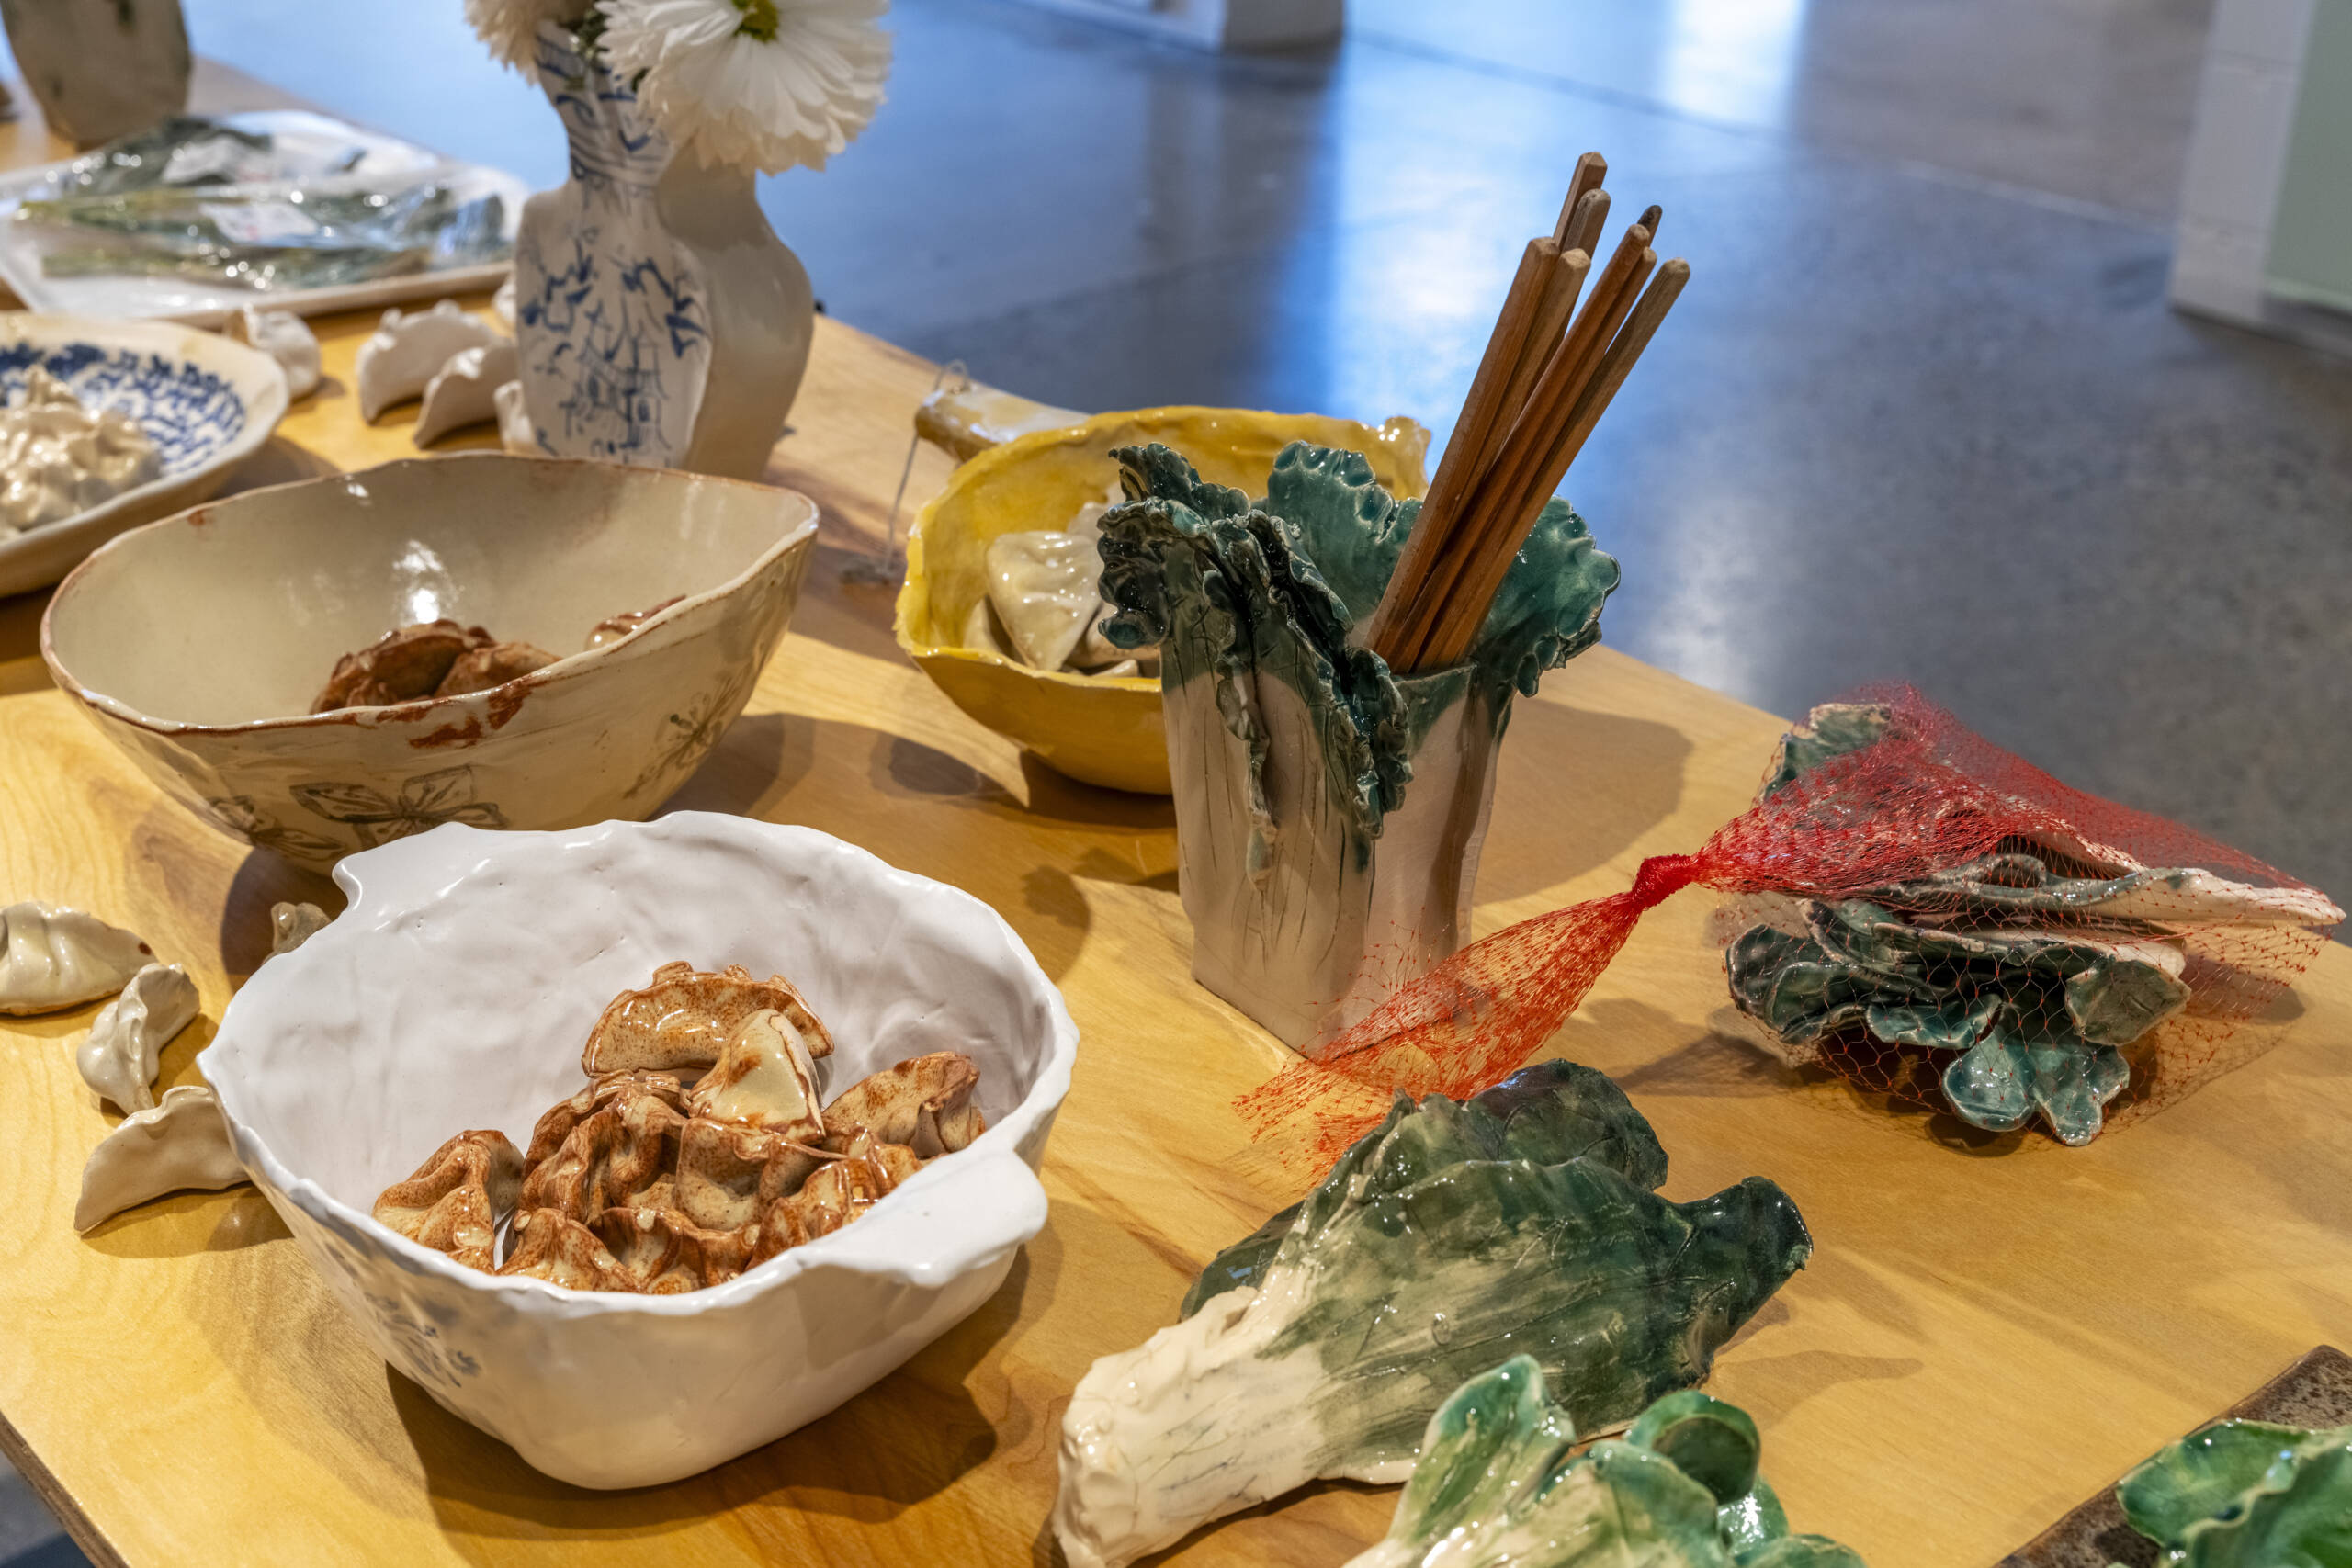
x=1923 y=412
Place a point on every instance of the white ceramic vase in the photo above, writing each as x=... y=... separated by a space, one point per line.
x=660 y=320
x=1299 y=919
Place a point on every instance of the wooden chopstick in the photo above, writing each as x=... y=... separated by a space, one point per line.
x=1561 y=284
x=1495 y=558
x=1590 y=172
x=1458 y=471
x=1584 y=229
x=1548 y=407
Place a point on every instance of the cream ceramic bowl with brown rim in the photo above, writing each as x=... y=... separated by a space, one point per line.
x=197 y=643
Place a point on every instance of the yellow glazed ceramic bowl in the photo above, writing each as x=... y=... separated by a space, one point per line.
x=1102 y=729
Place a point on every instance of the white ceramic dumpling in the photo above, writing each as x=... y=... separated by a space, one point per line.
x=182 y=1143
x=409 y=349
x=118 y=1057
x=982 y=631
x=291 y=925
x=516 y=434
x=502 y=304
x=53 y=958
x=465 y=390
x=285 y=337
x=1043 y=586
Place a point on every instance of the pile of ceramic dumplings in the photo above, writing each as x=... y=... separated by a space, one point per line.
x=442 y=659
x=639 y=1182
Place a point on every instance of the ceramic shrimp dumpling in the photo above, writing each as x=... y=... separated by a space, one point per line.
x=410 y=348
x=118 y=1057
x=52 y=958
x=924 y=1102
x=1044 y=588
x=684 y=1017
x=455 y=1198
x=182 y=1143
x=765 y=1077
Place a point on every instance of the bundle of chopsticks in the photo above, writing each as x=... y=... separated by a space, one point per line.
x=1549 y=373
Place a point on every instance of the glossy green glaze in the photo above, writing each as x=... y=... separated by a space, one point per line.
x=1558 y=1110
x=1500 y=1485
x=2248 y=1495
x=1521 y=1222
x=1231 y=590
x=2036 y=1014
x=1832 y=729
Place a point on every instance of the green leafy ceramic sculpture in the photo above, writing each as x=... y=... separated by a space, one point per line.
x=2022 y=976
x=2248 y=1495
x=2035 y=1015
x=1225 y=586
x=1500 y=1485
x=1522 y=1220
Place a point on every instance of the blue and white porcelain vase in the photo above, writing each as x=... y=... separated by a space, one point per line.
x=659 y=319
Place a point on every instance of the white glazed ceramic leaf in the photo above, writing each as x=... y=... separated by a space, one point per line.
x=455 y=991
x=118 y=1058
x=1043 y=586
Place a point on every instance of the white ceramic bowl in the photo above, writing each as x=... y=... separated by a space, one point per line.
x=206 y=402
x=455 y=991
x=197 y=643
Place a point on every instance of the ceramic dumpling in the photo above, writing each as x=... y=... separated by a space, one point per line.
x=611 y=1089
x=924 y=1103
x=502 y=304
x=1045 y=589
x=291 y=925
x=183 y=1143
x=52 y=958
x=458 y=1197
x=765 y=1077
x=285 y=337
x=549 y=1244
x=465 y=390
x=410 y=348
x=516 y=435
x=623 y=1156
x=684 y=1017
x=118 y=1057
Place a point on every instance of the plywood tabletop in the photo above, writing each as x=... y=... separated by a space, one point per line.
x=1987 y=1333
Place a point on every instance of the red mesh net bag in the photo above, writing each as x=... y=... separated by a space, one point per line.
x=1909 y=906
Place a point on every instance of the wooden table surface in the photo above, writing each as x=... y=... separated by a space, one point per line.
x=1987 y=1333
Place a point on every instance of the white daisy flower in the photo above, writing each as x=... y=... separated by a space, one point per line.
x=770 y=83
x=511 y=27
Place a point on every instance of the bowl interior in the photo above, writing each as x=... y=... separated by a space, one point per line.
x=1042 y=480
x=442 y=1002
x=238 y=609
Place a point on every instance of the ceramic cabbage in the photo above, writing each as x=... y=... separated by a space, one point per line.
x=1293 y=751
x=1523 y=1219
x=1501 y=1485
x=2246 y=1494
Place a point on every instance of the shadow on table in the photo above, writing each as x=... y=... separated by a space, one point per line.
x=263 y=879
x=1572 y=789
x=855 y=1463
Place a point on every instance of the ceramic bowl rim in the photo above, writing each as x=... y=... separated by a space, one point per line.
x=800 y=536
x=1005 y=454
x=264 y=407
x=838 y=1250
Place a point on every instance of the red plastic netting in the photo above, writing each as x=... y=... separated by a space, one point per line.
x=1902 y=893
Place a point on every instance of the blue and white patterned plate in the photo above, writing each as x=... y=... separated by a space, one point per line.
x=206 y=402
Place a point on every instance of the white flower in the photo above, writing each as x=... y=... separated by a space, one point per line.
x=511 y=27
x=770 y=83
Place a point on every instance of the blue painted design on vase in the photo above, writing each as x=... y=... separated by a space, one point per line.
x=644 y=282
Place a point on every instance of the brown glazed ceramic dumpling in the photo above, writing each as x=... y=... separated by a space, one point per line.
x=684 y=1017
x=455 y=1198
